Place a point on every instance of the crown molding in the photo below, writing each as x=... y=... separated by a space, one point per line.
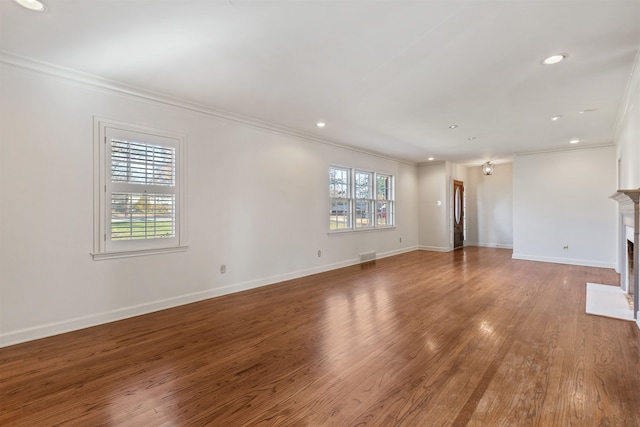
x=557 y=150
x=117 y=87
x=432 y=163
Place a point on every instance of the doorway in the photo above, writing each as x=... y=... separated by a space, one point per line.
x=458 y=214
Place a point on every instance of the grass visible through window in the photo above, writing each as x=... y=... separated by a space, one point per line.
x=141 y=229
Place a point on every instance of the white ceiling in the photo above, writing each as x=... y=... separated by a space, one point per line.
x=386 y=76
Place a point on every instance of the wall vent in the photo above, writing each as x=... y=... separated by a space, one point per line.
x=368 y=257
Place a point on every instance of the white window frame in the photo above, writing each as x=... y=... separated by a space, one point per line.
x=369 y=201
x=341 y=203
x=364 y=199
x=388 y=203
x=104 y=246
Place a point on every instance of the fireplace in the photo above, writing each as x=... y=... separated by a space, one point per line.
x=629 y=238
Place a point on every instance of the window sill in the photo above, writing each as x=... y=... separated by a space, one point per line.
x=142 y=252
x=361 y=230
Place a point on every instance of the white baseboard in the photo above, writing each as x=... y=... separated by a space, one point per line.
x=570 y=261
x=69 y=325
x=489 y=245
x=434 y=248
x=397 y=252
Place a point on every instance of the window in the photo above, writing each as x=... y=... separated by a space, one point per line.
x=364 y=199
x=340 y=194
x=384 y=200
x=139 y=197
x=360 y=199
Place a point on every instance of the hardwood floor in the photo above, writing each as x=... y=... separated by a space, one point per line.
x=470 y=337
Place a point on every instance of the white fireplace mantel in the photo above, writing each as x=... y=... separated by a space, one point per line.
x=630 y=216
x=627 y=198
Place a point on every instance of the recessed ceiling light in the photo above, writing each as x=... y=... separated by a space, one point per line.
x=574 y=141
x=321 y=124
x=588 y=111
x=471 y=138
x=32 y=5
x=554 y=59
x=554 y=118
x=430 y=158
x=453 y=126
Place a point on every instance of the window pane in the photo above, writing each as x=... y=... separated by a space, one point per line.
x=364 y=185
x=339 y=214
x=384 y=213
x=383 y=187
x=364 y=213
x=339 y=183
x=364 y=199
x=142 y=216
x=140 y=163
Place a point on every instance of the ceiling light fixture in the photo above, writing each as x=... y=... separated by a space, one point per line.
x=34 y=5
x=453 y=126
x=574 y=141
x=430 y=158
x=321 y=124
x=487 y=168
x=471 y=138
x=554 y=59
x=555 y=118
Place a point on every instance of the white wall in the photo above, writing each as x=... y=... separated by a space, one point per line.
x=435 y=189
x=257 y=202
x=628 y=135
x=627 y=141
x=433 y=207
x=490 y=207
x=562 y=198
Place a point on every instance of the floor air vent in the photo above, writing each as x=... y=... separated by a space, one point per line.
x=368 y=257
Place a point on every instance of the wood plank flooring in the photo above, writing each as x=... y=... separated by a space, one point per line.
x=470 y=337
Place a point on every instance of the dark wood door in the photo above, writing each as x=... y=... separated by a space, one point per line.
x=458 y=214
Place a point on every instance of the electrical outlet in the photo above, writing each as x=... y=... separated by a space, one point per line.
x=223 y=269
x=319 y=253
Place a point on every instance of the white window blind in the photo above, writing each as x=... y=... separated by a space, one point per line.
x=139 y=163
x=142 y=215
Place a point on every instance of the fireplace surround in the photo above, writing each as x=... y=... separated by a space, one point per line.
x=629 y=232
